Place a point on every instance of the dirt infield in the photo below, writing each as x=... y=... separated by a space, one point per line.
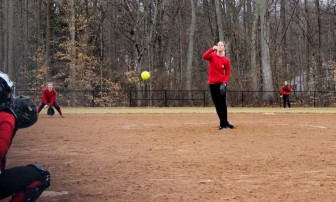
x=183 y=157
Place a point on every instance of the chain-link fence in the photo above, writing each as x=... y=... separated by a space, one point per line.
x=182 y=98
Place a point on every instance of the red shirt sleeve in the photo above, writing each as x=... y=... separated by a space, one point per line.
x=53 y=98
x=227 y=68
x=281 y=89
x=44 y=96
x=207 y=54
x=7 y=125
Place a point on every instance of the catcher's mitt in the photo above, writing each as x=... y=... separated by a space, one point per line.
x=222 y=88
x=25 y=111
x=51 y=111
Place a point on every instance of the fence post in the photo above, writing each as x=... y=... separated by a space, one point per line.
x=242 y=94
x=130 y=97
x=203 y=98
x=93 y=99
x=165 y=97
x=314 y=99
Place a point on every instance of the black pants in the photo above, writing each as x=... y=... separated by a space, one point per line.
x=220 y=103
x=286 y=100
x=17 y=180
x=55 y=105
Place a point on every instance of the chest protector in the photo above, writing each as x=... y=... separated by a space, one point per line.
x=3 y=160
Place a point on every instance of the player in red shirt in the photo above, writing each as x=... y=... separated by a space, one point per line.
x=284 y=93
x=24 y=183
x=49 y=96
x=218 y=77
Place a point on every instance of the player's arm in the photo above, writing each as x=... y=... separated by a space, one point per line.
x=44 y=97
x=53 y=98
x=281 y=90
x=6 y=131
x=207 y=54
x=227 y=73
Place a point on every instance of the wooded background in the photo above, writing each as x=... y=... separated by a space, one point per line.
x=104 y=45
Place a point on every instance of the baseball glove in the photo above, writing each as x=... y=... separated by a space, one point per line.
x=51 y=111
x=25 y=111
x=222 y=88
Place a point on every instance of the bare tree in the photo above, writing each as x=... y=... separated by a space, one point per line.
x=10 y=39
x=72 y=30
x=218 y=7
x=190 y=51
x=255 y=70
x=307 y=45
x=265 y=53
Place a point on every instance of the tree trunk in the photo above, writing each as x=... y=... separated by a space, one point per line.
x=38 y=27
x=218 y=6
x=283 y=58
x=2 y=21
x=110 y=38
x=321 y=76
x=265 y=53
x=25 y=43
x=307 y=47
x=10 y=60
x=5 y=36
x=255 y=70
x=181 y=51
x=190 y=51
x=73 y=33
x=47 y=42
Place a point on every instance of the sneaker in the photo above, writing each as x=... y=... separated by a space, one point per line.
x=229 y=125
x=221 y=127
x=62 y=116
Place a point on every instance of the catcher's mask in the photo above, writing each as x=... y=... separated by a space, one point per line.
x=6 y=91
x=51 y=111
x=25 y=111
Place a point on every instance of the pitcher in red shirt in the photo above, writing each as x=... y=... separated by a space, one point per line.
x=49 y=97
x=218 y=77
x=284 y=93
x=22 y=183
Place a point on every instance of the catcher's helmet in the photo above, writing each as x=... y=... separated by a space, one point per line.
x=51 y=111
x=6 y=91
x=25 y=111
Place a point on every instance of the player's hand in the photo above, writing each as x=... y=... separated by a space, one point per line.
x=215 y=48
x=222 y=88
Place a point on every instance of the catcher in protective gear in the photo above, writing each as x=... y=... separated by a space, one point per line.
x=25 y=111
x=23 y=183
x=6 y=91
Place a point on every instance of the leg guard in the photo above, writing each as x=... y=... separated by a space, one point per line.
x=36 y=188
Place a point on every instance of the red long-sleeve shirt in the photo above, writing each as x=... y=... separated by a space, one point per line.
x=49 y=97
x=284 y=92
x=219 y=67
x=7 y=126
